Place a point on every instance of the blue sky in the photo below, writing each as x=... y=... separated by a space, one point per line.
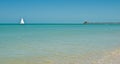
x=59 y=11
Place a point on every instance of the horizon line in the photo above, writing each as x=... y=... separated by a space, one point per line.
x=55 y=23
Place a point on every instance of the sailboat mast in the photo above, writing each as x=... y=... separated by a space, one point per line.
x=22 y=21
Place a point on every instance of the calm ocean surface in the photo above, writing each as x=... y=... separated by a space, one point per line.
x=56 y=44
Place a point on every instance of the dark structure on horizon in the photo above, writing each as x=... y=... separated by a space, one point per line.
x=85 y=22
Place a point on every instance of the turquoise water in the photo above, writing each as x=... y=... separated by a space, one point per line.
x=56 y=41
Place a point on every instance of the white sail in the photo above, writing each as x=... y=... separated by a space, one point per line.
x=22 y=21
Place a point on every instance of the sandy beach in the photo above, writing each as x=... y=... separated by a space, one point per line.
x=111 y=57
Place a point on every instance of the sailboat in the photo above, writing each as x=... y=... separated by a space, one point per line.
x=22 y=21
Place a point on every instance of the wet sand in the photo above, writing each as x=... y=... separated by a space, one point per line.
x=111 y=57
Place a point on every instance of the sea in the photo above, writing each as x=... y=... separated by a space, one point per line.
x=57 y=43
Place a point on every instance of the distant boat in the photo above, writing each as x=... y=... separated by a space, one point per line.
x=22 y=21
x=85 y=22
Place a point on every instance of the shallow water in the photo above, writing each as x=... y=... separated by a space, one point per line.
x=56 y=44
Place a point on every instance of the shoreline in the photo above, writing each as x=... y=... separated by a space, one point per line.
x=111 y=57
x=108 y=57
